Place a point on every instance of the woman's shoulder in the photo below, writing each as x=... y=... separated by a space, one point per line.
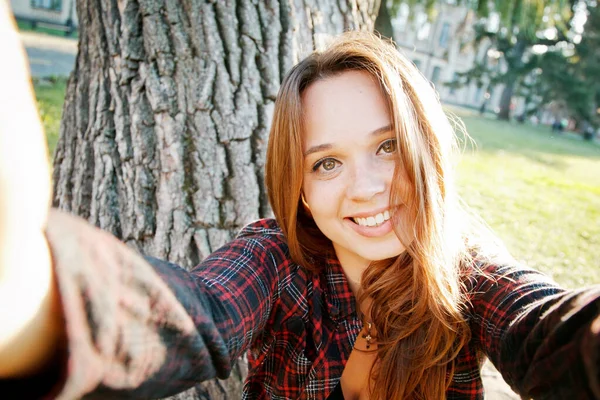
x=493 y=284
x=266 y=234
x=493 y=272
x=263 y=235
x=259 y=246
x=267 y=227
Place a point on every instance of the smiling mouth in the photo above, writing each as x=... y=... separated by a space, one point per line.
x=374 y=220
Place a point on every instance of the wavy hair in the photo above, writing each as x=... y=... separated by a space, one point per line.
x=416 y=297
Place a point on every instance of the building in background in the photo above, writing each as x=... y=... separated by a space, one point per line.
x=442 y=48
x=53 y=13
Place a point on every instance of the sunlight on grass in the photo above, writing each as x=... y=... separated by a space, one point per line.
x=25 y=26
x=540 y=192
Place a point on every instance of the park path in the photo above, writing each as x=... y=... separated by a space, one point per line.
x=49 y=55
x=495 y=387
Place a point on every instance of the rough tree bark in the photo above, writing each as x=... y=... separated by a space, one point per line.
x=383 y=22
x=166 y=118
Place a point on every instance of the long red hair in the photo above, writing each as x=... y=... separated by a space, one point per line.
x=416 y=297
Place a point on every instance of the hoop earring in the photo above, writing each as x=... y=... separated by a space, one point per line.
x=304 y=203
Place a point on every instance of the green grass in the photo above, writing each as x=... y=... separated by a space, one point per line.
x=26 y=26
x=50 y=94
x=539 y=191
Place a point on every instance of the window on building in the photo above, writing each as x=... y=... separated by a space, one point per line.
x=435 y=76
x=478 y=95
x=422 y=22
x=445 y=35
x=417 y=63
x=401 y=21
x=53 y=5
x=454 y=81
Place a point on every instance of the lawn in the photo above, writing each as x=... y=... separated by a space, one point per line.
x=539 y=191
x=50 y=95
x=25 y=26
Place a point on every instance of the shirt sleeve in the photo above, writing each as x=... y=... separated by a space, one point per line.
x=542 y=338
x=145 y=328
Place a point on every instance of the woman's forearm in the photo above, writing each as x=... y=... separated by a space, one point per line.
x=27 y=295
x=29 y=308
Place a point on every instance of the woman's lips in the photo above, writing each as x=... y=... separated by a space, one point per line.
x=370 y=231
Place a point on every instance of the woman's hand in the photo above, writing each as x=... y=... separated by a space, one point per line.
x=27 y=292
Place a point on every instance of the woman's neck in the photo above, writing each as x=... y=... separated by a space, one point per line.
x=353 y=267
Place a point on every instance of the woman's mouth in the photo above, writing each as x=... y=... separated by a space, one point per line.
x=375 y=225
x=373 y=220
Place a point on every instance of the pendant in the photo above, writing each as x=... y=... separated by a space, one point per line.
x=367 y=336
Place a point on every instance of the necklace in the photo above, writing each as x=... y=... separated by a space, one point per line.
x=369 y=338
x=367 y=335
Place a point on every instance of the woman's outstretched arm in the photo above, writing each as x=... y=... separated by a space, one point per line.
x=30 y=320
x=80 y=312
x=545 y=340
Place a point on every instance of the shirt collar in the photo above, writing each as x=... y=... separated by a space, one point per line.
x=340 y=299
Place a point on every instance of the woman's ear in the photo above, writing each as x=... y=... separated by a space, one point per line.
x=305 y=204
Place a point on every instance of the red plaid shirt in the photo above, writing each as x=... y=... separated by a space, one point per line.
x=151 y=329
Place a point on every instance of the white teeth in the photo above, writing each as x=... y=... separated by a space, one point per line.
x=373 y=220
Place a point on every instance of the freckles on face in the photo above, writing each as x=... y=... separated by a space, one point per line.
x=349 y=156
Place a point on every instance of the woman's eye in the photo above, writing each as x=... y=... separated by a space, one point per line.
x=389 y=146
x=327 y=164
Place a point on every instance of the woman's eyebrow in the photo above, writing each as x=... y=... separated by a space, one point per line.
x=328 y=146
x=318 y=148
x=382 y=130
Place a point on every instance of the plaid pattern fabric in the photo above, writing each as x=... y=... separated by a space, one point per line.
x=148 y=329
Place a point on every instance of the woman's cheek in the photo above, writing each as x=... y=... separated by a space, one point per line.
x=324 y=196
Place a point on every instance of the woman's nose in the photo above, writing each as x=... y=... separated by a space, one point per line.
x=367 y=181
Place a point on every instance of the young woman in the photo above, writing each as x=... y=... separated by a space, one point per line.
x=370 y=283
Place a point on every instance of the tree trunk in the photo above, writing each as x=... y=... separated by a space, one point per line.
x=506 y=100
x=514 y=63
x=167 y=114
x=383 y=23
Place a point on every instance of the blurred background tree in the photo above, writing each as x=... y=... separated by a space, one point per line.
x=511 y=29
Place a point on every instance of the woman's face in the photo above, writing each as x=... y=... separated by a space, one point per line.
x=349 y=162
